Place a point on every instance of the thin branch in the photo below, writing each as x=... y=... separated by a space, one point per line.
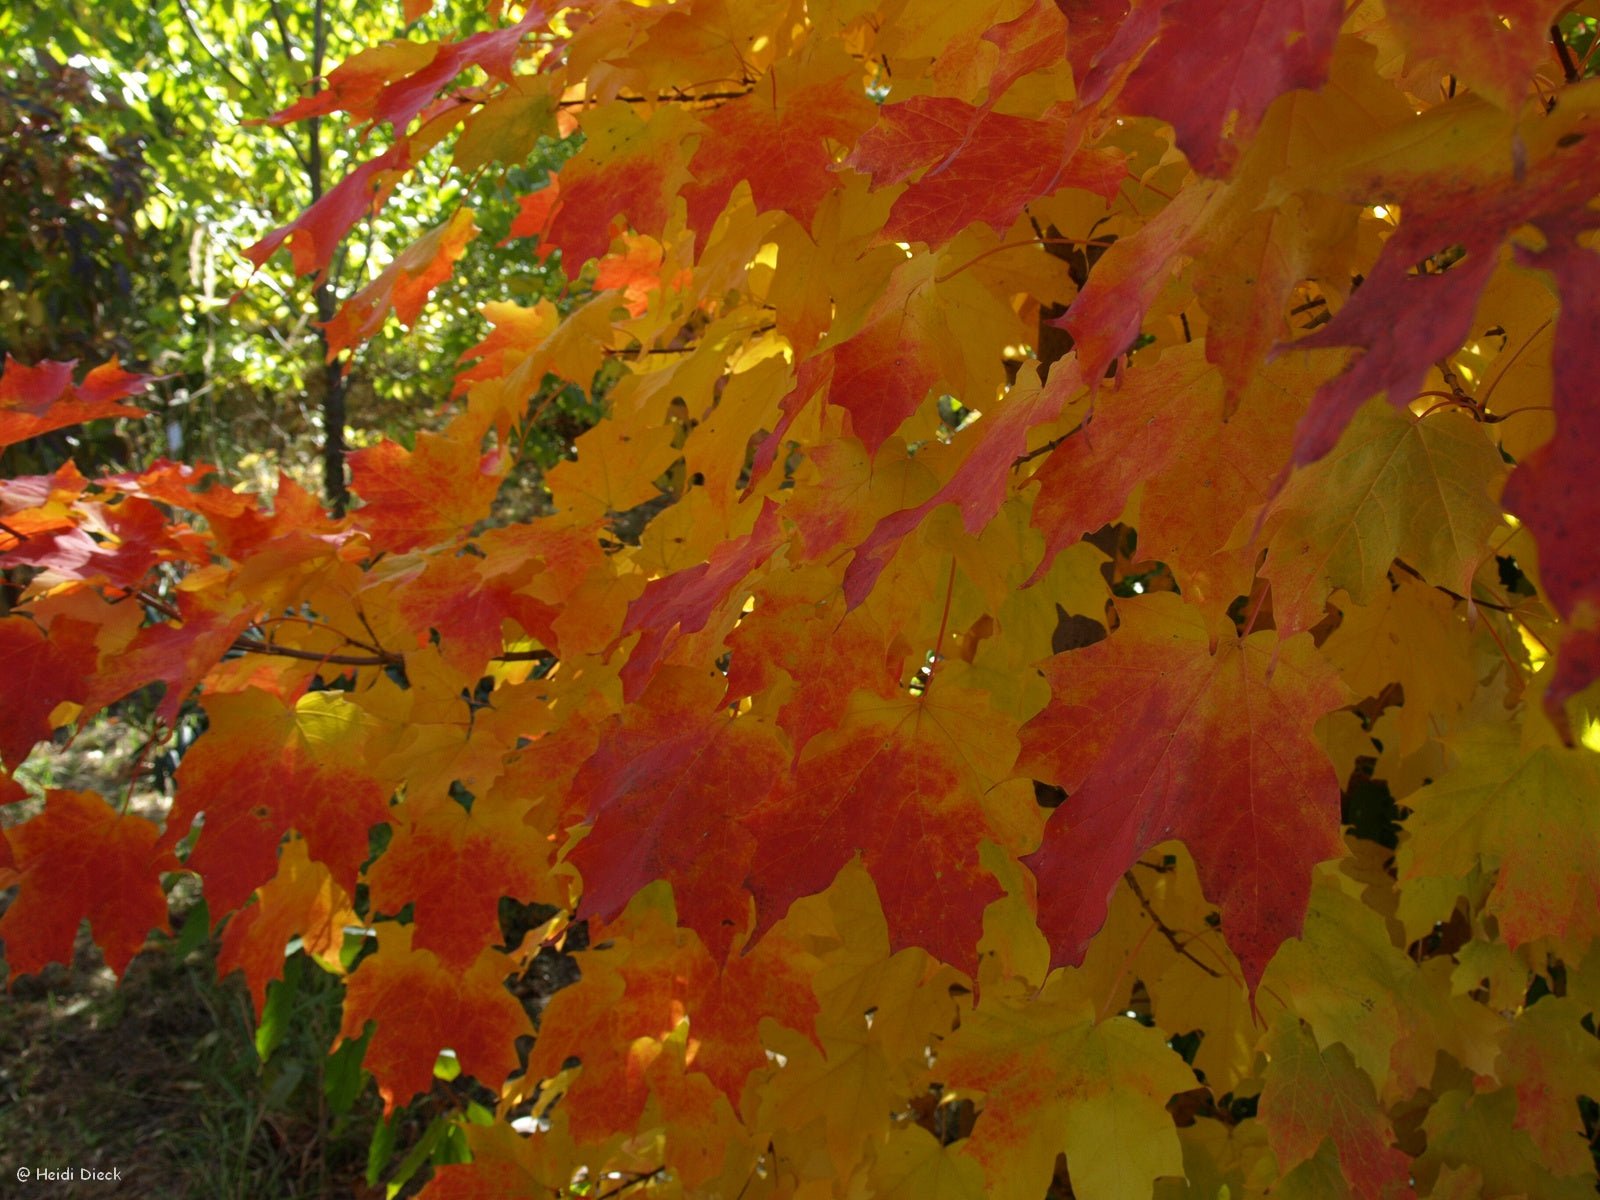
x=1448 y=402
x=288 y=58
x=612 y=352
x=157 y=735
x=1495 y=418
x=379 y=657
x=200 y=40
x=265 y=99
x=1162 y=927
x=246 y=645
x=1490 y=604
x=1488 y=392
x=1044 y=449
x=1043 y=240
x=315 y=624
x=160 y=605
x=283 y=28
x=680 y=97
x=636 y=1181
x=1569 y=69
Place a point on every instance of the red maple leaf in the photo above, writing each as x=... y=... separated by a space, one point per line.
x=41 y=672
x=1251 y=53
x=1166 y=730
x=305 y=774
x=315 y=234
x=422 y=1007
x=82 y=858
x=438 y=490
x=37 y=399
x=666 y=792
x=454 y=865
x=901 y=783
x=777 y=139
x=973 y=164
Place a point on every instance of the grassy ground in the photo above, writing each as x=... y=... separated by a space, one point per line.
x=159 y=1079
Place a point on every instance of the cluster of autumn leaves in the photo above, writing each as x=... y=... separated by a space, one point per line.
x=951 y=774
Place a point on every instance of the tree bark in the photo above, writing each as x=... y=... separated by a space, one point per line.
x=333 y=395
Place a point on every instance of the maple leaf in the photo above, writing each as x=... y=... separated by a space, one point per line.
x=703 y=1141
x=978 y=485
x=1192 y=513
x=1249 y=252
x=80 y=858
x=1130 y=435
x=813 y=377
x=1492 y=45
x=41 y=504
x=44 y=672
x=177 y=655
x=1528 y=816
x=1397 y=486
x=1252 y=53
x=315 y=234
x=1552 y=489
x=1457 y=215
x=1552 y=1060
x=776 y=139
x=909 y=771
x=1350 y=983
x=635 y=273
x=403 y=285
x=1411 y=635
x=684 y=601
x=626 y=1001
x=534 y=211
x=1056 y=1080
x=852 y=1072
x=239 y=523
x=626 y=168
x=37 y=399
x=413 y=497
x=305 y=774
x=1168 y=730
x=453 y=866
x=773 y=982
x=467 y=599
x=1034 y=41
x=504 y=1163
x=422 y=1008
x=796 y=635
x=1106 y=317
x=918 y=332
x=755 y=674
x=1315 y=1094
x=965 y=160
x=1477 y=1135
x=507 y=128
x=396 y=81
x=913 y=1164
x=105 y=542
x=666 y=791
x=301 y=900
